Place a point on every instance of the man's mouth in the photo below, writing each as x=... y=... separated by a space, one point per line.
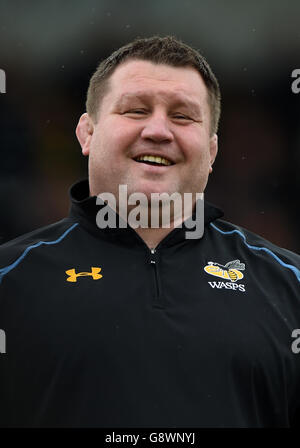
x=154 y=160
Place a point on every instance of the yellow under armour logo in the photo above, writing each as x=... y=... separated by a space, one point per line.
x=73 y=276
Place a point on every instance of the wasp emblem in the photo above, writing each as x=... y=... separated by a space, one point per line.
x=230 y=271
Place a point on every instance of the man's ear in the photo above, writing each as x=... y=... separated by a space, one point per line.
x=84 y=132
x=213 y=150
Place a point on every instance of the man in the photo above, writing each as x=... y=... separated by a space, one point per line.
x=143 y=327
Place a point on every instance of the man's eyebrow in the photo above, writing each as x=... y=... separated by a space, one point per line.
x=191 y=105
x=127 y=96
x=176 y=100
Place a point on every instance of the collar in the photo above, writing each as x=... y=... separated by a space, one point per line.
x=84 y=209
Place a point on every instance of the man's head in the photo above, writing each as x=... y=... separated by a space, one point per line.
x=152 y=97
x=158 y=50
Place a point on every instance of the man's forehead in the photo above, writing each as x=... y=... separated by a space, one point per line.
x=138 y=80
x=135 y=72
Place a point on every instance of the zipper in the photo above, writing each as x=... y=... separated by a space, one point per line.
x=154 y=263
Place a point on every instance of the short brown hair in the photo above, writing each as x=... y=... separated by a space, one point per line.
x=159 y=50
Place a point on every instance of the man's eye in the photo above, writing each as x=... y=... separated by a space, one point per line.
x=135 y=111
x=182 y=117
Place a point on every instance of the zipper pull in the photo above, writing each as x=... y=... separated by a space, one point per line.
x=152 y=253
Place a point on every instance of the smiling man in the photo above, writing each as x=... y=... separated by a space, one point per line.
x=152 y=132
x=117 y=326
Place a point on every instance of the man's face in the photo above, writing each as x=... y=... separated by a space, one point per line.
x=150 y=110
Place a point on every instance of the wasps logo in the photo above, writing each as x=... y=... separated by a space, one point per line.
x=230 y=271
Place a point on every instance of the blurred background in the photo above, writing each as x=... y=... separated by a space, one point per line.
x=49 y=50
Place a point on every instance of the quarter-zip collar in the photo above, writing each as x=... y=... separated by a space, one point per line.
x=84 y=209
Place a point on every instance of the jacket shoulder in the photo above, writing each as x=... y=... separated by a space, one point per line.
x=257 y=244
x=20 y=246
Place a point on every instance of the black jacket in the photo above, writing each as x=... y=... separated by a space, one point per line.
x=197 y=333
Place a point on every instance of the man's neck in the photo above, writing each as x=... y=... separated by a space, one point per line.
x=152 y=237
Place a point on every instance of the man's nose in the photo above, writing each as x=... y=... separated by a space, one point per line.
x=157 y=128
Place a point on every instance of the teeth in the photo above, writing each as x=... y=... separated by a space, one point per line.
x=160 y=160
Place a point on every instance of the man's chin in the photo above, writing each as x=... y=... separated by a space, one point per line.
x=153 y=189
